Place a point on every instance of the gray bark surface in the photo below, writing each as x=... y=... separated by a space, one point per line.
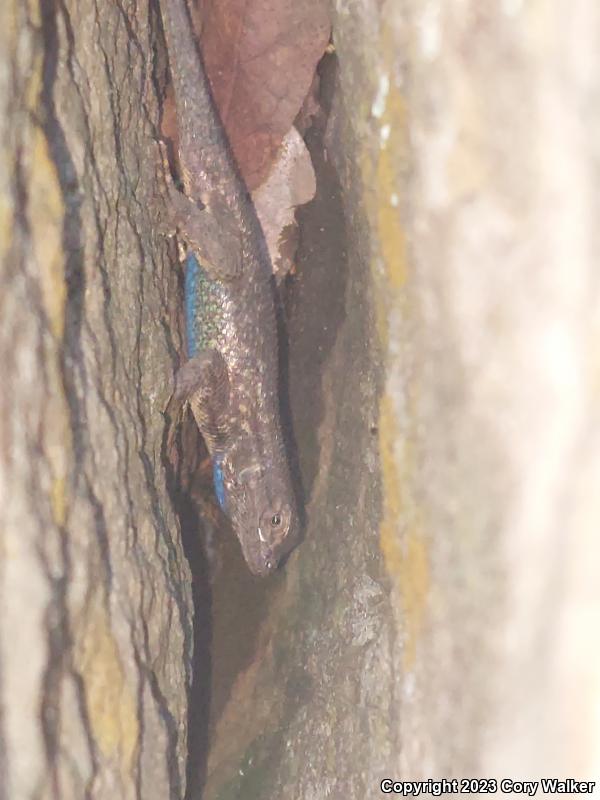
x=95 y=629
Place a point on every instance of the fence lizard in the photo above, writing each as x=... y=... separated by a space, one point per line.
x=230 y=381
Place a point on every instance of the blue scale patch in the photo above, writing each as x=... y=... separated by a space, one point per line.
x=218 y=482
x=204 y=307
x=201 y=327
x=192 y=275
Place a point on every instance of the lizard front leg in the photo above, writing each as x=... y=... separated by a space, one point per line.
x=209 y=228
x=212 y=232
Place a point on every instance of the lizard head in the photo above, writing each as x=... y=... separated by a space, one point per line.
x=258 y=499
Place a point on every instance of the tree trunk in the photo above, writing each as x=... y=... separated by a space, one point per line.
x=96 y=623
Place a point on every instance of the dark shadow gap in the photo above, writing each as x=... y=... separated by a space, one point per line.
x=316 y=297
x=193 y=541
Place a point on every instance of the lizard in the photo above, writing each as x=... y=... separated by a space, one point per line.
x=230 y=381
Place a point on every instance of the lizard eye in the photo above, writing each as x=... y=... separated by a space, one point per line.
x=274 y=524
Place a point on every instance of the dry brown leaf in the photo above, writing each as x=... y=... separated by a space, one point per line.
x=261 y=56
x=290 y=184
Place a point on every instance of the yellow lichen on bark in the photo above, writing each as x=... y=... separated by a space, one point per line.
x=46 y=217
x=110 y=700
x=402 y=536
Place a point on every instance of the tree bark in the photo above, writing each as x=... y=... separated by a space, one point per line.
x=96 y=623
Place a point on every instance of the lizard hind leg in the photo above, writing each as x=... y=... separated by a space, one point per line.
x=202 y=384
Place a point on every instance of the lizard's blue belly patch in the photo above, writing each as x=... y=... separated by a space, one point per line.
x=204 y=324
x=218 y=482
x=204 y=303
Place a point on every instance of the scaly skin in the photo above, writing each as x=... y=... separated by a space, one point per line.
x=230 y=381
